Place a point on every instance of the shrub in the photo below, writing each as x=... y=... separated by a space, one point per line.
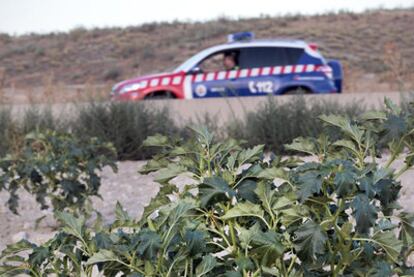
x=5 y=126
x=406 y=102
x=112 y=74
x=247 y=215
x=124 y=124
x=276 y=123
x=15 y=126
x=57 y=169
x=37 y=118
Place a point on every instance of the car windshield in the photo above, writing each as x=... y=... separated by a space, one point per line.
x=184 y=66
x=188 y=64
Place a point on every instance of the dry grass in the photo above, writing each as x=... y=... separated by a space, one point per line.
x=104 y=56
x=3 y=96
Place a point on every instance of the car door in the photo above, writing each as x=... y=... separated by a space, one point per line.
x=260 y=70
x=210 y=79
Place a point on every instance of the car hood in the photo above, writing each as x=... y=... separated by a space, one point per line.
x=138 y=79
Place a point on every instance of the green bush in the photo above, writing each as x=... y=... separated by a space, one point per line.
x=14 y=128
x=58 y=169
x=124 y=124
x=5 y=128
x=37 y=118
x=406 y=102
x=244 y=214
x=276 y=122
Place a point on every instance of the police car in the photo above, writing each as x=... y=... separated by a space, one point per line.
x=242 y=67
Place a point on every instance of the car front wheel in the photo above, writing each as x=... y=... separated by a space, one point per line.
x=159 y=95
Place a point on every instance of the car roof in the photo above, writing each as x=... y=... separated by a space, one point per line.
x=241 y=44
x=263 y=43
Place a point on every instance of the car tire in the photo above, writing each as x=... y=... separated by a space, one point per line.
x=159 y=96
x=297 y=91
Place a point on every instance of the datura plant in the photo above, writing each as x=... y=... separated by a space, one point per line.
x=246 y=212
x=58 y=169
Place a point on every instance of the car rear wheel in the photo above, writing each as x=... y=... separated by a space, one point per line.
x=297 y=91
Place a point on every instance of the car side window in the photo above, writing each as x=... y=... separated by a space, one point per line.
x=253 y=57
x=215 y=62
x=212 y=63
x=293 y=55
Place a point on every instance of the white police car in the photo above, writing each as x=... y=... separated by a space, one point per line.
x=242 y=67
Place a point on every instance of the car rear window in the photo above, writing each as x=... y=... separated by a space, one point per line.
x=268 y=56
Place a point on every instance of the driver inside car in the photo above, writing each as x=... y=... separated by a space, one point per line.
x=230 y=61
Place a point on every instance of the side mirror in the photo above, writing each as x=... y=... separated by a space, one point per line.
x=195 y=70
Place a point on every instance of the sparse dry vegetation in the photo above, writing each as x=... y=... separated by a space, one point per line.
x=360 y=41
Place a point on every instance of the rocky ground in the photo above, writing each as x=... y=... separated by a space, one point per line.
x=128 y=187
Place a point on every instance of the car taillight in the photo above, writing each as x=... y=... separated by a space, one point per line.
x=313 y=46
x=327 y=70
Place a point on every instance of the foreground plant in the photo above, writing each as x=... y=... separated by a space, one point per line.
x=58 y=169
x=244 y=213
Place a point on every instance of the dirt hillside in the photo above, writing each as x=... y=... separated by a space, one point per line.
x=376 y=48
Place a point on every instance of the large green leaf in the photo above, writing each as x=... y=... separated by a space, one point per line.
x=309 y=183
x=345 y=181
x=391 y=106
x=103 y=240
x=347 y=144
x=207 y=264
x=267 y=247
x=153 y=165
x=39 y=255
x=272 y=173
x=246 y=190
x=387 y=191
x=246 y=235
x=166 y=174
x=389 y=243
x=156 y=140
x=352 y=130
x=13 y=271
x=213 y=190
x=16 y=248
x=180 y=210
x=372 y=115
x=159 y=200
x=120 y=213
x=303 y=145
x=380 y=269
x=149 y=244
x=244 y=209
x=72 y=225
x=365 y=213
x=203 y=135
x=103 y=256
x=293 y=214
x=395 y=126
x=310 y=241
x=265 y=194
x=250 y=155
x=195 y=241
x=407 y=228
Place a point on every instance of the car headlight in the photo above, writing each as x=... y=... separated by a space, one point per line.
x=131 y=87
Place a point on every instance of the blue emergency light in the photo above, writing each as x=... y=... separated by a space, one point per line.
x=242 y=36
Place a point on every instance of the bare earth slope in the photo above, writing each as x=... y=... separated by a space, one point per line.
x=375 y=47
